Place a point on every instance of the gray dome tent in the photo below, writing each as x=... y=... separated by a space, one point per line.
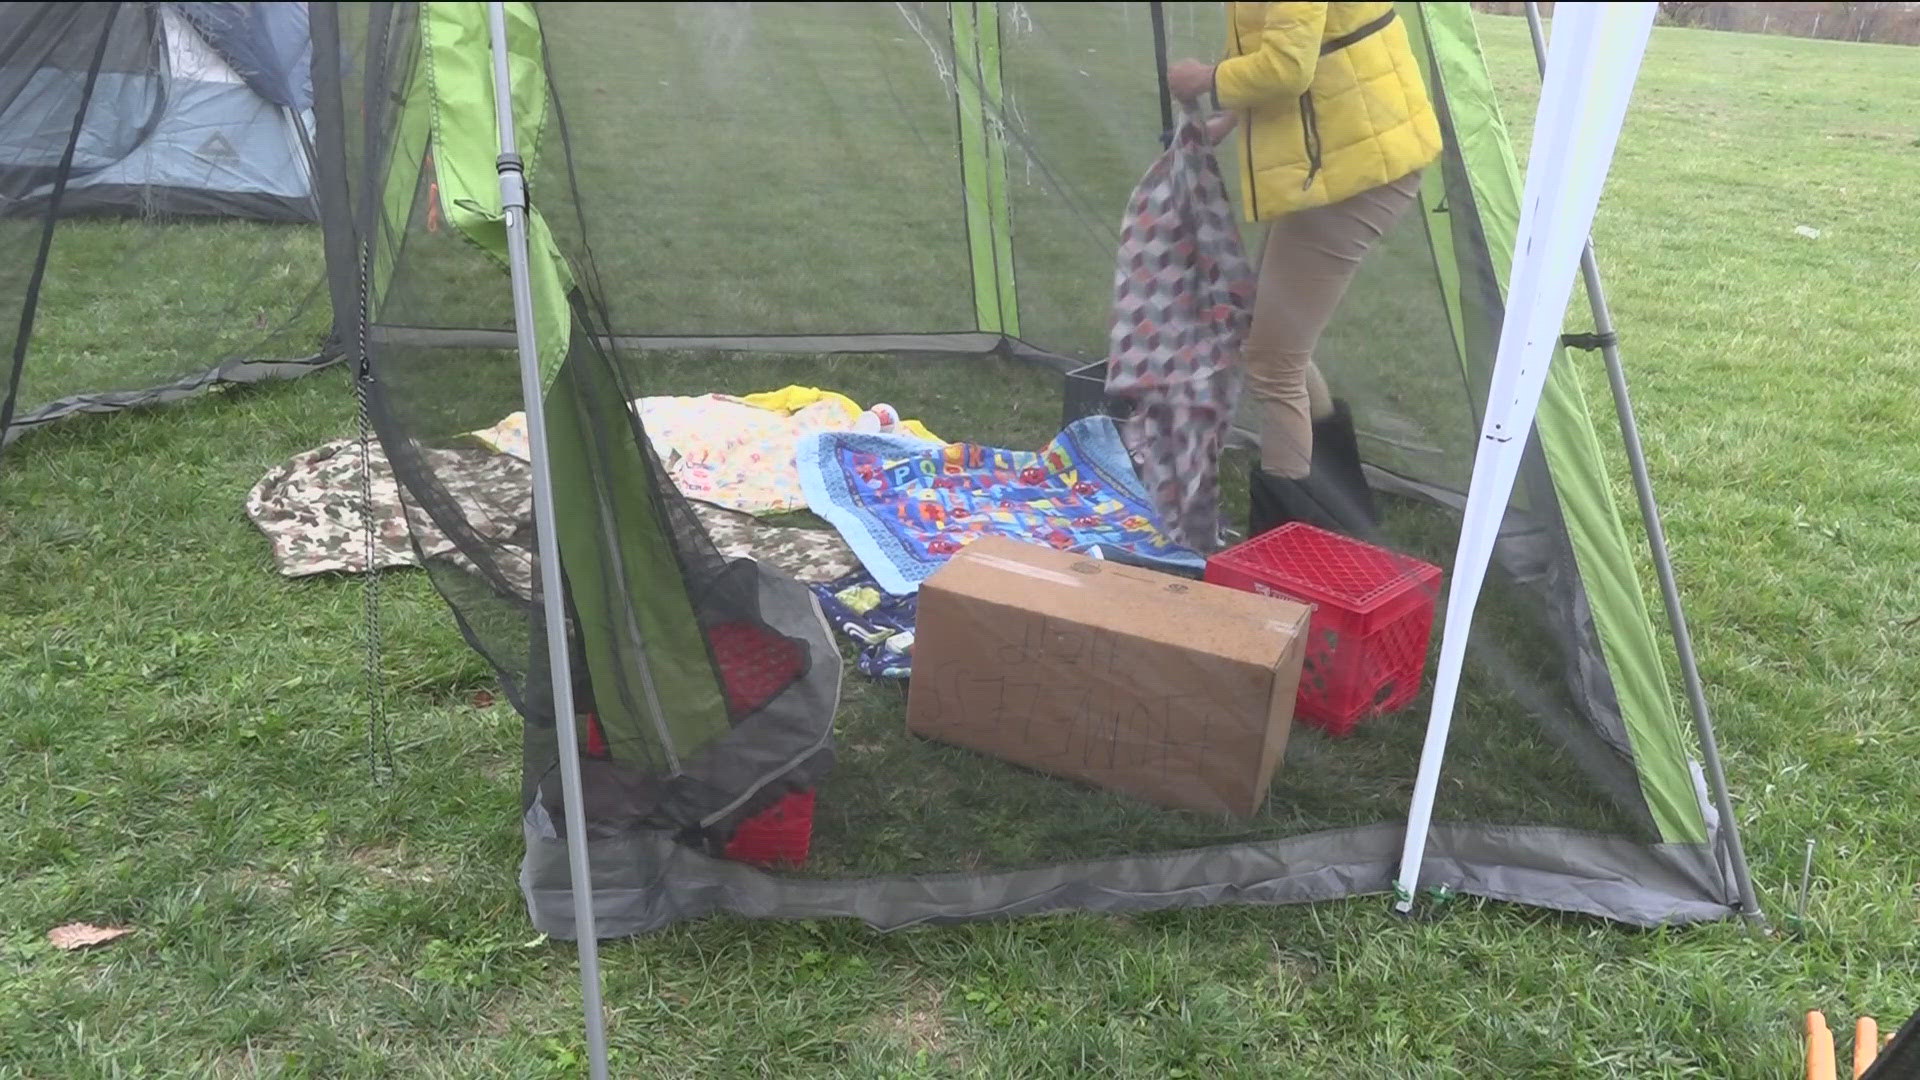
x=213 y=118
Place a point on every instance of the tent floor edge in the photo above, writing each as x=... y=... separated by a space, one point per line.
x=648 y=882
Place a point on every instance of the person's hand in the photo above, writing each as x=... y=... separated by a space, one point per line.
x=1219 y=126
x=1189 y=79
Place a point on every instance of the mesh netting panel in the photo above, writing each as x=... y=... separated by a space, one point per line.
x=719 y=139
x=701 y=696
x=1544 y=724
x=186 y=242
x=1083 y=122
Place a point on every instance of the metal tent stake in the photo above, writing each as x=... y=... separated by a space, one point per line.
x=1657 y=541
x=1806 y=883
x=513 y=200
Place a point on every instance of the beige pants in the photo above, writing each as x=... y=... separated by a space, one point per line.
x=1309 y=259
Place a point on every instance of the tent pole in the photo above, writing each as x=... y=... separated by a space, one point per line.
x=1157 y=13
x=1657 y=541
x=30 y=302
x=513 y=201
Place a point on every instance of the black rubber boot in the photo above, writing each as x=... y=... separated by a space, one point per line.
x=1337 y=480
x=1333 y=496
x=1275 y=500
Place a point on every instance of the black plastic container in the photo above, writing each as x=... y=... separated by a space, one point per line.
x=1085 y=394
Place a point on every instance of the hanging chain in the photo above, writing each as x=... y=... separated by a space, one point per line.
x=379 y=742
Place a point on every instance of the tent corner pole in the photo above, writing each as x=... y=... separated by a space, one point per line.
x=1158 y=16
x=513 y=200
x=1603 y=329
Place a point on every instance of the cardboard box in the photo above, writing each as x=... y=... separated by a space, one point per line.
x=1173 y=691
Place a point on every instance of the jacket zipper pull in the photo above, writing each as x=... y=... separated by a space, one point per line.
x=1310 y=138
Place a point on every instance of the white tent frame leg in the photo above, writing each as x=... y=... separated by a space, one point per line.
x=1588 y=80
x=513 y=201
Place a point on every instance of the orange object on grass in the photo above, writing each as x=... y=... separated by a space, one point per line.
x=1819 y=1047
x=1866 y=1044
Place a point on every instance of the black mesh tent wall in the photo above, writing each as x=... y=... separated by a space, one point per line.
x=145 y=163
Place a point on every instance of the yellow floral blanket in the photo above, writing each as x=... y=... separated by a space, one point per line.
x=732 y=452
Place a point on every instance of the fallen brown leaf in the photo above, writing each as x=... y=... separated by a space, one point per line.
x=79 y=935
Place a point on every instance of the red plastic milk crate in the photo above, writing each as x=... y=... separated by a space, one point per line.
x=780 y=835
x=1372 y=617
x=755 y=666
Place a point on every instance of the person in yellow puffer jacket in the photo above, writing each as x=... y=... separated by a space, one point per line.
x=1337 y=128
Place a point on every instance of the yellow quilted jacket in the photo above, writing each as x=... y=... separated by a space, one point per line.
x=1331 y=102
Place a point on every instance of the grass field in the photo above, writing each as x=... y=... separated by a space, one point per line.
x=184 y=741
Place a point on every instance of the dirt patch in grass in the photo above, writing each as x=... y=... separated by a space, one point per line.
x=393 y=862
x=918 y=1025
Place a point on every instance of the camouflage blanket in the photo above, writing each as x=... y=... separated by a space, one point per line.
x=310 y=508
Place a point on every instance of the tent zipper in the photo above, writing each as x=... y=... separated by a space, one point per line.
x=1310 y=138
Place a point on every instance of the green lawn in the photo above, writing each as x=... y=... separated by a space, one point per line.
x=185 y=747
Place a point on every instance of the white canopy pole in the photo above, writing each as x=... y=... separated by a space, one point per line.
x=1591 y=65
x=513 y=202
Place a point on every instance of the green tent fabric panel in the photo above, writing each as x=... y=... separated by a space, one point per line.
x=637 y=624
x=458 y=63
x=990 y=81
x=1444 y=229
x=1565 y=430
x=983 y=165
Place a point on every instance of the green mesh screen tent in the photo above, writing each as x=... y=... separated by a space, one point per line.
x=902 y=199
x=916 y=203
